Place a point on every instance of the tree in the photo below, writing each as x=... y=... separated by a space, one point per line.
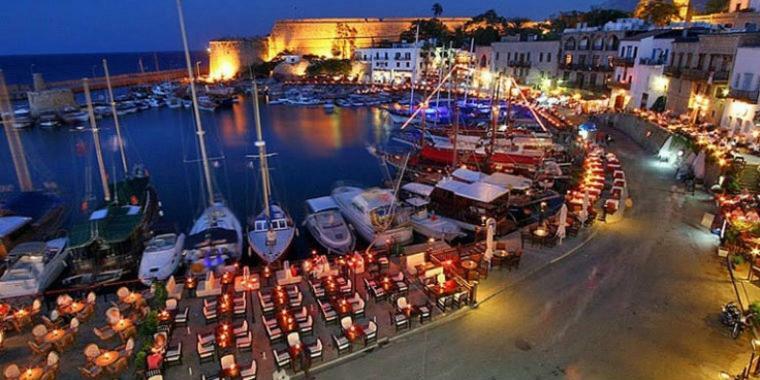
x=329 y=67
x=657 y=12
x=437 y=10
x=600 y=16
x=344 y=43
x=429 y=28
x=716 y=6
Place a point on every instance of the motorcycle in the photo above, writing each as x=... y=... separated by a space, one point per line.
x=732 y=317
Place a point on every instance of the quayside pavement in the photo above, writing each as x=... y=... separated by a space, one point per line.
x=638 y=300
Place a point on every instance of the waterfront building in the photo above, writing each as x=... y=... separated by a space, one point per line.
x=396 y=64
x=638 y=80
x=531 y=61
x=741 y=115
x=699 y=70
x=741 y=14
x=587 y=52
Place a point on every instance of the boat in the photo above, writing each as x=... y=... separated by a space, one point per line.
x=329 y=107
x=416 y=196
x=174 y=102
x=112 y=239
x=206 y=104
x=187 y=103
x=326 y=224
x=33 y=267
x=30 y=215
x=48 y=120
x=215 y=240
x=216 y=237
x=161 y=257
x=155 y=102
x=22 y=118
x=371 y=212
x=73 y=115
x=124 y=108
x=271 y=232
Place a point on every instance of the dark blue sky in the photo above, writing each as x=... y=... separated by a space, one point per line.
x=81 y=26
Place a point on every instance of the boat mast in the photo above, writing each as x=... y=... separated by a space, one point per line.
x=96 y=138
x=414 y=69
x=495 y=108
x=116 y=119
x=262 y=149
x=470 y=71
x=14 y=140
x=198 y=126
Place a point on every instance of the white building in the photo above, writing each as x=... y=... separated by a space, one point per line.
x=638 y=80
x=532 y=61
x=396 y=64
x=741 y=114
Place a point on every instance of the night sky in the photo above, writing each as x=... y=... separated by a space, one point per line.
x=82 y=26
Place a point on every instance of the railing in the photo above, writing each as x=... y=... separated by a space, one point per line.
x=672 y=71
x=720 y=76
x=620 y=85
x=518 y=64
x=696 y=74
x=584 y=67
x=652 y=62
x=623 y=61
x=745 y=95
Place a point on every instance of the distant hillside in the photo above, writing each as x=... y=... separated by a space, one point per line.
x=629 y=5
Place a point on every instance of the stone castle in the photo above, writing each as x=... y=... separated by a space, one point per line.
x=329 y=37
x=683 y=6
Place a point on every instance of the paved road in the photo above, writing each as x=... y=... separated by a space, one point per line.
x=639 y=301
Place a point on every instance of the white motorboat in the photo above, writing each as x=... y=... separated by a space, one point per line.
x=216 y=239
x=73 y=115
x=161 y=257
x=417 y=197
x=327 y=226
x=329 y=107
x=174 y=102
x=22 y=118
x=205 y=103
x=34 y=266
x=271 y=232
x=372 y=214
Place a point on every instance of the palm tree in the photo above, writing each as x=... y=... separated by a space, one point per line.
x=437 y=9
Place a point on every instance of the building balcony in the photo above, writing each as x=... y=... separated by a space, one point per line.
x=695 y=74
x=623 y=61
x=613 y=84
x=744 y=95
x=720 y=76
x=518 y=64
x=672 y=71
x=585 y=67
x=652 y=62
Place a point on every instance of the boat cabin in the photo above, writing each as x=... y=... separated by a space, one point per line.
x=277 y=221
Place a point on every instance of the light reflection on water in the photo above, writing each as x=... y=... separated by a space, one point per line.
x=312 y=150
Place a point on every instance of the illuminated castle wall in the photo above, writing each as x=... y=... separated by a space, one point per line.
x=329 y=37
x=683 y=6
x=228 y=56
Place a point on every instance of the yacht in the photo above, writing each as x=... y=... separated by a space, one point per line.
x=33 y=267
x=416 y=196
x=216 y=239
x=372 y=214
x=271 y=231
x=327 y=226
x=49 y=120
x=161 y=257
x=22 y=118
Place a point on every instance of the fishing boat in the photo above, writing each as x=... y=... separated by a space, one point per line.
x=271 y=232
x=426 y=223
x=372 y=214
x=216 y=237
x=33 y=267
x=109 y=243
x=161 y=258
x=326 y=224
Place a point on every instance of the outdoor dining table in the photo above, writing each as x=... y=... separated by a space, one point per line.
x=448 y=288
x=72 y=308
x=107 y=358
x=354 y=332
x=34 y=373
x=286 y=321
x=469 y=264
x=121 y=325
x=541 y=232
x=54 y=335
x=132 y=298
x=341 y=306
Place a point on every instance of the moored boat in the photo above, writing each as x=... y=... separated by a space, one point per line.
x=161 y=258
x=326 y=224
x=373 y=214
x=33 y=267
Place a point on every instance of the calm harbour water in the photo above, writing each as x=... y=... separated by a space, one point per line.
x=313 y=150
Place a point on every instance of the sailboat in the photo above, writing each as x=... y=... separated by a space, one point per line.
x=108 y=245
x=216 y=238
x=29 y=214
x=271 y=231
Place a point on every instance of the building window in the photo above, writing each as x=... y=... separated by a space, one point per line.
x=398 y=64
x=548 y=57
x=540 y=57
x=528 y=57
x=407 y=64
x=497 y=55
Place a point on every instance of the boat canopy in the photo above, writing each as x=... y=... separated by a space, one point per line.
x=509 y=181
x=114 y=224
x=321 y=204
x=478 y=191
x=467 y=175
x=211 y=237
x=418 y=189
x=11 y=224
x=373 y=198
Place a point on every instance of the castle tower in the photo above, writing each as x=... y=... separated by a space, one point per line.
x=684 y=8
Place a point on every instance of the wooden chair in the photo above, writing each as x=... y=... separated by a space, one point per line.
x=64 y=343
x=91 y=373
x=249 y=372
x=281 y=359
x=39 y=332
x=12 y=372
x=341 y=343
x=173 y=355
x=315 y=350
x=39 y=349
x=119 y=366
x=91 y=352
x=53 y=362
x=104 y=333
x=370 y=333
